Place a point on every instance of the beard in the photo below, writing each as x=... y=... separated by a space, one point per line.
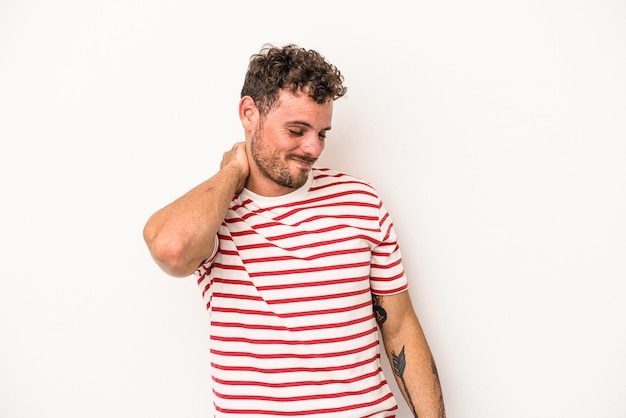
x=275 y=167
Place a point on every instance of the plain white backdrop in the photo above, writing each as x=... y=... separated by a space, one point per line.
x=494 y=131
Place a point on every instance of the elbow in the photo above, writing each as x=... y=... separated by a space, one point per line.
x=169 y=254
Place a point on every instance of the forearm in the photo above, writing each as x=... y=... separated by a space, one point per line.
x=182 y=234
x=416 y=373
x=411 y=360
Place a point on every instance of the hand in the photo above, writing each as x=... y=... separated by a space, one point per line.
x=237 y=157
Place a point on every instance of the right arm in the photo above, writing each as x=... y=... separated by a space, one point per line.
x=182 y=234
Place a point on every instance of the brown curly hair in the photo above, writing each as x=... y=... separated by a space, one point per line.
x=293 y=68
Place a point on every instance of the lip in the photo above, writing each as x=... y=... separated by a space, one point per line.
x=304 y=163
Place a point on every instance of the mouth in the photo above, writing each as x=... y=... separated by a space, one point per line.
x=304 y=162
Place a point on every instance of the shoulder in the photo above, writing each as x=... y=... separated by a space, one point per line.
x=328 y=177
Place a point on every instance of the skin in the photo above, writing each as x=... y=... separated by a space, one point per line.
x=283 y=149
x=402 y=335
x=276 y=157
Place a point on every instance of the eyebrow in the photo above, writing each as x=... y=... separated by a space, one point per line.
x=307 y=124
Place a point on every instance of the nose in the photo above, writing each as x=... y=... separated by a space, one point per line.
x=313 y=145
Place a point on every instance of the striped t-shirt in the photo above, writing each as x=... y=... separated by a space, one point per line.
x=289 y=293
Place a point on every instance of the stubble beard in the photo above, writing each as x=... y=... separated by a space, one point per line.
x=273 y=166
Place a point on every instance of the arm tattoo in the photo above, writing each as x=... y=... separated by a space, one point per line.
x=399 y=361
x=399 y=364
x=379 y=312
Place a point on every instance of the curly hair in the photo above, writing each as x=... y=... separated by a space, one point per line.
x=295 y=69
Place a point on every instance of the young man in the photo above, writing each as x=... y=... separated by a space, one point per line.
x=296 y=263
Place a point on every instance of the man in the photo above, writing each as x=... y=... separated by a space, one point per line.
x=296 y=263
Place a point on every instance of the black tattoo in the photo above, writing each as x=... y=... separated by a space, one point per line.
x=379 y=312
x=399 y=364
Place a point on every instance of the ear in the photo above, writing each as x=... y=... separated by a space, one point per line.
x=248 y=113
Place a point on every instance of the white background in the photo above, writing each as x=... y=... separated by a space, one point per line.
x=494 y=131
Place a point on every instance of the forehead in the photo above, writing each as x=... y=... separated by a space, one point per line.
x=300 y=107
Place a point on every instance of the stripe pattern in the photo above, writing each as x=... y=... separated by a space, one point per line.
x=288 y=290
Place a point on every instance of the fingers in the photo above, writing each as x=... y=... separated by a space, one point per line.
x=237 y=156
x=232 y=154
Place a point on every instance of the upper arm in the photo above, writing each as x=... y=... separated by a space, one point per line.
x=395 y=315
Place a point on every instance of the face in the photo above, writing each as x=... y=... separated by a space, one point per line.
x=287 y=143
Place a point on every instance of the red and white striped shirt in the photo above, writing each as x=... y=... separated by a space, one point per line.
x=289 y=293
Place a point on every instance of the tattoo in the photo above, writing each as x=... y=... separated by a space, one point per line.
x=379 y=312
x=399 y=364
